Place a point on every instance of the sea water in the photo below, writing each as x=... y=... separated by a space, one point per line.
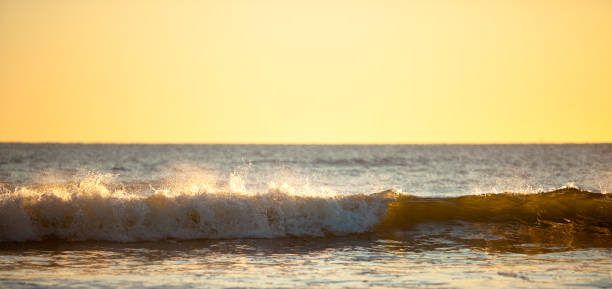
x=280 y=216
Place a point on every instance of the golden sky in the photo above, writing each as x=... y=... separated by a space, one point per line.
x=331 y=71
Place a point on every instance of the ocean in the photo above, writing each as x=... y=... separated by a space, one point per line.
x=287 y=216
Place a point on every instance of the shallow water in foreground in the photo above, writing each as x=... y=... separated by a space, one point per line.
x=338 y=262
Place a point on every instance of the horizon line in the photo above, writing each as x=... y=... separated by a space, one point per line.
x=301 y=143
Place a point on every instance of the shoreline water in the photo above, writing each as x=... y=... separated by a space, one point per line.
x=338 y=262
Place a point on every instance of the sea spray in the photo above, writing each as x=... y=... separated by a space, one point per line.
x=89 y=210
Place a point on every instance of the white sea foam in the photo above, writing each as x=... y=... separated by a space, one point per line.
x=90 y=209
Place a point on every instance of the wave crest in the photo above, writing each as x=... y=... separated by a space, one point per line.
x=95 y=208
x=90 y=210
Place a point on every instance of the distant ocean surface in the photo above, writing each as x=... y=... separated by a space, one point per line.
x=285 y=216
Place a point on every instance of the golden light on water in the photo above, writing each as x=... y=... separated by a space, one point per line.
x=306 y=71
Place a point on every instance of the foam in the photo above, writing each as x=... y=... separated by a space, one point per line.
x=97 y=209
x=91 y=210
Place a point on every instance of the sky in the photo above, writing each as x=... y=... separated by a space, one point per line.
x=332 y=71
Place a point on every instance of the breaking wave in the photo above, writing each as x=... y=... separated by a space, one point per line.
x=94 y=209
x=91 y=210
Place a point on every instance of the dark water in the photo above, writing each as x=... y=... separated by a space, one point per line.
x=305 y=216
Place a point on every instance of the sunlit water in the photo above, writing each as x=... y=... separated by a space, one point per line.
x=184 y=216
x=287 y=263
